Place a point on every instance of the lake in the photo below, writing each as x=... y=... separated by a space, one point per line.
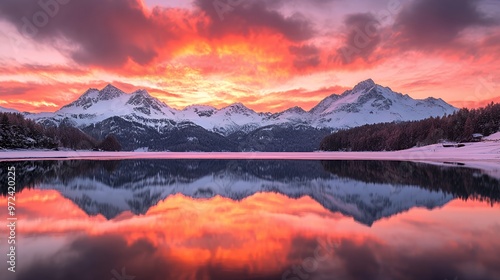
x=251 y=219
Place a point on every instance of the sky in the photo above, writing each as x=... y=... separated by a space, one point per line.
x=267 y=54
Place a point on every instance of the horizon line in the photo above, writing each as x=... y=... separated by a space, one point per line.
x=218 y=108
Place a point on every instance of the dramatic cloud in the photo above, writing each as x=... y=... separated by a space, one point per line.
x=281 y=101
x=364 y=259
x=437 y=23
x=106 y=33
x=110 y=33
x=26 y=69
x=225 y=51
x=103 y=254
x=37 y=97
x=110 y=257
x=491 y=45
x=305 y=56
x=244 y=17
x=361 y=38
x=10 y=89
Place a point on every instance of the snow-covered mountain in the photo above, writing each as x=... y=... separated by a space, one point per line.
x=230 y=119
x=140 y=120
x=366 y=103
x=95 y=106
x=369 y=103
x=7 y=110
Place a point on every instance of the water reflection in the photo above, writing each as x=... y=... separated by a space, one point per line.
x=364 y=190
x=256 y=220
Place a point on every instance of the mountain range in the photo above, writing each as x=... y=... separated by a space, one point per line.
x=140 y=120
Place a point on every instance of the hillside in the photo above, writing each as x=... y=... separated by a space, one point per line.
x=17 y=132
x=458 y=127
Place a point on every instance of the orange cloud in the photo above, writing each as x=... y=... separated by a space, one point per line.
x=474 y=104
x=280 y=101
x=39 y=97
x=190 y=55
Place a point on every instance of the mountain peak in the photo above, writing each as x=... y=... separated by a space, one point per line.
x=110 y=88
x=295 y=110
x=141 y=92
x=364 y=85
x=109 y=92
x=237 y=106
x=144 y=102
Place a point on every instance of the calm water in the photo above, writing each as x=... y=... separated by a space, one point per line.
x=255 y=219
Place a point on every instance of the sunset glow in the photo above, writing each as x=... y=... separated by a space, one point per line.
x=262 y=234
x=268 y=55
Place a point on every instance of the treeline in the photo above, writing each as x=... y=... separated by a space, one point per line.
x=458 y=127
x=17 y=132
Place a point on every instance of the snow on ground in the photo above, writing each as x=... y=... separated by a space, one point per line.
x=481 y=151
x=482 y=155
x=493 y=137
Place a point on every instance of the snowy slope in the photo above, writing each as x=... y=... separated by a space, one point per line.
x=7 y=110
x=366 y=103
x=493 y=137
x=98 y=105
x=369 y=103
x=227 y=120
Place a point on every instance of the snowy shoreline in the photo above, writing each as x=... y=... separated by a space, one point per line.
x=486 y=151
x=484 y=156
x=483 y=151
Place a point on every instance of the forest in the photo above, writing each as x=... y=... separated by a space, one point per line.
x=17 y=132
x=457 y=127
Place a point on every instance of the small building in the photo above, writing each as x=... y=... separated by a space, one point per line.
x=477 y=137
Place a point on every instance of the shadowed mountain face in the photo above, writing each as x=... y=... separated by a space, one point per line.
x=365 y=190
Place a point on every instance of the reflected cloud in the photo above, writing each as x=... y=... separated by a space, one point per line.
x=255 y=220
x=173 y=251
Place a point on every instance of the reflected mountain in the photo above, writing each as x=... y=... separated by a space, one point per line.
x=364 y=190
x=461 y=182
